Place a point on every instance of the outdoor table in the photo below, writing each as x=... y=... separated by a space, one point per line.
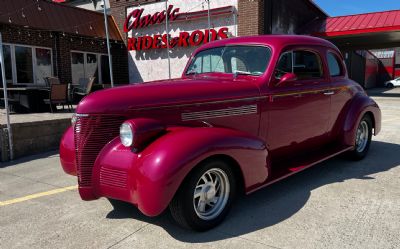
x=29 y=97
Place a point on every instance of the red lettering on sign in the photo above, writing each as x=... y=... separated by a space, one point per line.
x=184 y=39
x=135 y=20
x=214 y=35
x=196 y=38
x=131 y=43
x=223 y=33
x=147 y=42
x=156 y=41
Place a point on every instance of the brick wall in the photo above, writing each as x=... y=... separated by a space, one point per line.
x=62 y=44
x=250 y=17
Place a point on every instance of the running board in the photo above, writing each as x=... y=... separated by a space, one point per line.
x=282 y=172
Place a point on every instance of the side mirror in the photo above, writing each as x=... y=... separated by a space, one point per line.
x=287 y=77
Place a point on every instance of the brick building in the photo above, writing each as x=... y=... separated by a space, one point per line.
x=189 y=24
x=44 y=39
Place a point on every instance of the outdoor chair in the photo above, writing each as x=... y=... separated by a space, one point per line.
x=85 y=87
x=52 y=81
x=58 y=96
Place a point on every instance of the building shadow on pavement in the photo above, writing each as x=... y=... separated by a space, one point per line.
x=384 y=92
x=53 y=153
x=279 y=201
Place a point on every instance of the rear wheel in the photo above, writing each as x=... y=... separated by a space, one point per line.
x=390 y=85
x=363 y=138
x=205 y=197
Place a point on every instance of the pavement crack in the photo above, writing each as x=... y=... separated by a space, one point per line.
x=129 y=235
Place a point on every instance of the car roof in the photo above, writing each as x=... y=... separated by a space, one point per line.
x=274 y=41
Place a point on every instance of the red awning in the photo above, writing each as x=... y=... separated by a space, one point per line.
x=386 y=21
x=50 y=16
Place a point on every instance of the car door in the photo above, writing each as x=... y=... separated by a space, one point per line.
x=299 y=110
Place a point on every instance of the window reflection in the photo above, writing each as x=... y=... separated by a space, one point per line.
x=23 y=59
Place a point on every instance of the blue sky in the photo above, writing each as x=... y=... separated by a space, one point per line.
x=346 y=7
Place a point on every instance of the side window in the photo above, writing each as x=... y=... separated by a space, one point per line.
x=334 y=65
x=307 y=65
x=284 y=65
x=238 y=65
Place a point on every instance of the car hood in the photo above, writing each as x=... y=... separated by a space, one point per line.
x=167 y=92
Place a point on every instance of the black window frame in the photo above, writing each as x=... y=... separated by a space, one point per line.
x=301 y=49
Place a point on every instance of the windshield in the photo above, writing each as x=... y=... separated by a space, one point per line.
x=249 y=60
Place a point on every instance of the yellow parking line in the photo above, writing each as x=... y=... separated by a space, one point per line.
x=34 y=196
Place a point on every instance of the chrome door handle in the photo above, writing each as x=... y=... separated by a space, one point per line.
x=329 y=93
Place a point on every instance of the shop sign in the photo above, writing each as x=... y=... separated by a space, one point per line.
x=140 y=21
x=185 y=39
x=136 y=20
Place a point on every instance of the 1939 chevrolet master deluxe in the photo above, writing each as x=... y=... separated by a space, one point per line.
x=246 y=113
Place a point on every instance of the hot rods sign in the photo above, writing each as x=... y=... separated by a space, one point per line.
x=137 y=20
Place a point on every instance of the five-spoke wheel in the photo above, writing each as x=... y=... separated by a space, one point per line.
x=204 y=198
x=362 y=139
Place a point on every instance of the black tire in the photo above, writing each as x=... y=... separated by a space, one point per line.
x=182 y=206
x=390 y=85
x=360 y=152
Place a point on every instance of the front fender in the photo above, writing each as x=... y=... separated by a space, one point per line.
x=155 y=174
x=67 y=152
x=360 y=105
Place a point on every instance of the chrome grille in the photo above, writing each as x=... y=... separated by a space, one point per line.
x=91 y=134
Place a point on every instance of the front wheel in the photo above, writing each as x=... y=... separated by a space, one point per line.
x=363 y=139
x=205 y=197
x=390 y=85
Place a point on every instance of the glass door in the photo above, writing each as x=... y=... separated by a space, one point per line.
x=24 y=65
x=77 y=66
x=43 y=65
x=7 y=64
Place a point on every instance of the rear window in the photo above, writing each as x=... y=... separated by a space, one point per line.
x=334 y=65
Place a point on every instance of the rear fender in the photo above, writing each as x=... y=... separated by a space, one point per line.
x=360 y=105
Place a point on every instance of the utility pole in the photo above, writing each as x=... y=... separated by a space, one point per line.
x=108 y=43
x=167 y=31
x=3 y=75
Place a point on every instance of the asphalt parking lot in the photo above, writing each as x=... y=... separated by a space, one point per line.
x=337 y=204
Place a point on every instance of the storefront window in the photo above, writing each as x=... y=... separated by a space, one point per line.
x=105 y=70
x=92 y=69
x=24 y=65
x=77 y=67
x=86 y=65
x=43 y=65
x=7 y=63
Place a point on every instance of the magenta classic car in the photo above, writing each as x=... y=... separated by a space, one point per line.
x=247 y=112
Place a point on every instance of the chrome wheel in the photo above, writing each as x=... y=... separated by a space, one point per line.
x=211 y=194
x=362 y=136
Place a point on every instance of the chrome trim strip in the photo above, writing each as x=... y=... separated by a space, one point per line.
x=220 y=113
x=199 y=103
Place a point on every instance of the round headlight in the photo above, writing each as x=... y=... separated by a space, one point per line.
x=73 y=119
x=126 y=134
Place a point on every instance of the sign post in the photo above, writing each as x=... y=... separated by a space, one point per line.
x=108 y=44
x=209 y=20
x=167 y=32
x=3 y=75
